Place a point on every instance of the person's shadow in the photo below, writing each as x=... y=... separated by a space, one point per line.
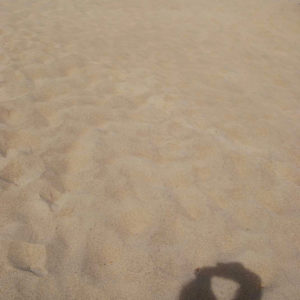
x=200 y=288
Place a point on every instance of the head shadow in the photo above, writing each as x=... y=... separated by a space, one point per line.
x=200 y=287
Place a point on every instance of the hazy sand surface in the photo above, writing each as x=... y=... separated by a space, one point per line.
x=141 y=139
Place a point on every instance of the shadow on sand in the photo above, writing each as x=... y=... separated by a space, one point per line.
x=200 y=287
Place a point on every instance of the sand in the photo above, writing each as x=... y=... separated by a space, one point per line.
x=141 y=139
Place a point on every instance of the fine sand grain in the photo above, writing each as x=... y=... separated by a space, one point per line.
x=141 y=139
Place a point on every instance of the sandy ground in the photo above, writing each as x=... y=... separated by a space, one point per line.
x=141 y=139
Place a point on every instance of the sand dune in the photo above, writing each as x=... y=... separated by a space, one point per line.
x=142 y=139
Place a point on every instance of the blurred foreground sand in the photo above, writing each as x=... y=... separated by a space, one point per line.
x=140 y=139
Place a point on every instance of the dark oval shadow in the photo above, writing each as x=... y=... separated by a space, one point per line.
x=200 y=288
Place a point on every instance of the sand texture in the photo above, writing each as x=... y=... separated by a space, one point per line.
x=142 y=139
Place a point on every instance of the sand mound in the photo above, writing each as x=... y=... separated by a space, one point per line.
x=142 y=139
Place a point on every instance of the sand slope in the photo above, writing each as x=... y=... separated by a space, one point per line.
x=141 y=139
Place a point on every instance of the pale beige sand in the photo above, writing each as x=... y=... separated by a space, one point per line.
x=141 y=139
